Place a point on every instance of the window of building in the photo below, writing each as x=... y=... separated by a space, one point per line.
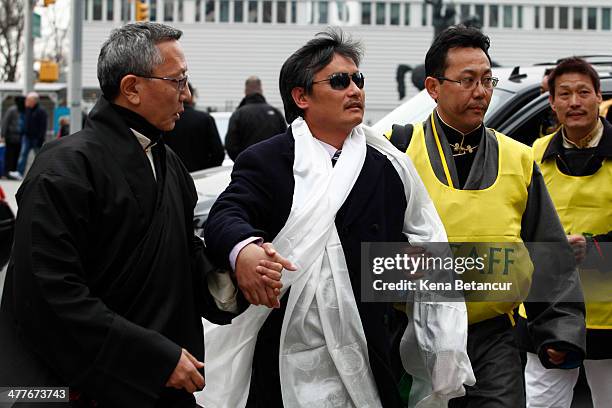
x=563 y=18
x=209 y=11
x=86 y=5
x=267 y=12
x=479 y=11
x=97 y=10
x=169 y=10
x=464 y=12
x=493 y=15
x=293 y=12
x=407 y=14
x=223 y=11
x=366 y=13
x=198 y=10
x=323 y=14
x=549 y=17
x=380 y=13
x=394 y=14
x=109 y=10
x=519 y=16
x=238 y=11
x=605 y=18
x=252 y=11
x=281 y=12
x=508 y=17
x=592 y=18
x=536 y=21
x=153 y=10
x=180 y=10
x=577 y=18
x=424 y=13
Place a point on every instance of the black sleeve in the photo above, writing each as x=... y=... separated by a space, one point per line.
x=233 y=138
x=85 y=342
x=559 y=320
x=215 y=152
x=243 y=205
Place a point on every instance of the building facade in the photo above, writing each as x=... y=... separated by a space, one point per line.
x=225 y=41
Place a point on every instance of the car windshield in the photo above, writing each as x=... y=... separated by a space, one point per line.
x=417 y=108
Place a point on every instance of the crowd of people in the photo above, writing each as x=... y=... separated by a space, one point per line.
x=108 y=284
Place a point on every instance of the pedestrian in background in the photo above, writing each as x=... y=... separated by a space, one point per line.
x=254 y=120
x=12 y=132
x=35 y=129
x=195 y=138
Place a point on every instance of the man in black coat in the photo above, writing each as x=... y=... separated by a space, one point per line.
x=35 y=129
x=254 y=120
x=320 y=83
x=195 y=138
x=104 y=292
x=12 y=131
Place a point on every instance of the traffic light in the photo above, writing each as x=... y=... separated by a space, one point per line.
x=48 y=2
x=49 y=71
x=142 y=11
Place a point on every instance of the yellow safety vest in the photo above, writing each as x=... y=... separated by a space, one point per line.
x=492 y=215
x=584 y=205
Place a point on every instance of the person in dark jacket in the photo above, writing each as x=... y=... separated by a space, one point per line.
x=195 y=138
x=254 y=120
x=35 y=128
x=106 y=286
x=12 y=130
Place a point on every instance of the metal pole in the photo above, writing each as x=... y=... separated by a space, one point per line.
x=75 y=89
x=28 y=62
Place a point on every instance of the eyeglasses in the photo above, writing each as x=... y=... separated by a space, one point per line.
x=342 y=80
x=180 y=82
x=470 y=83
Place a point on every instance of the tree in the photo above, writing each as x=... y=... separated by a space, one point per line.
x=11 y=33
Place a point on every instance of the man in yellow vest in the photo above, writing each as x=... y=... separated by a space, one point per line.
x=575 y=163
x=487 y=189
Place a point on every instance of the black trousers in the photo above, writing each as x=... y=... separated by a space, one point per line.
x=11 y=155
x=497 y=366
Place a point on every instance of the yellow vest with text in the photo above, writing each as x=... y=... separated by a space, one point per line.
x=584 y=205
x=492 y=216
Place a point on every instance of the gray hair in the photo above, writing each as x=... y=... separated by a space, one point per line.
x=131 y=49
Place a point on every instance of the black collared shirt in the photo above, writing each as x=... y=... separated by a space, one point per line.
x=580 y=162
x=463 y=162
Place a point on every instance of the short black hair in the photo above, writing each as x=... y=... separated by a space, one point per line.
x=458 y=36
x=573 y=65
x=300 y=68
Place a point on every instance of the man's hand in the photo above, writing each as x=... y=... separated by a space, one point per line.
x=578 y=244
x=258 y=272
x=186 y=374
x=556 y=357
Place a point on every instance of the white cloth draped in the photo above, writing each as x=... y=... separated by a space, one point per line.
x=323 y=351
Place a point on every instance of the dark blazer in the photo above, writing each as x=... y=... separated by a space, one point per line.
x=257 y=203
x=195 y=139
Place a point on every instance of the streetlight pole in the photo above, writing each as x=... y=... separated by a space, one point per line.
x=75 y=88
x=28 y=63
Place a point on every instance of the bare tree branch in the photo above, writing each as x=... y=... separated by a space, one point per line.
x=11 y=33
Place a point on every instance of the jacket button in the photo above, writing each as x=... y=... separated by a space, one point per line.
x=374 y=228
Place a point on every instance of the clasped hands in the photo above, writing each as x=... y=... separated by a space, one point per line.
x=259 y=271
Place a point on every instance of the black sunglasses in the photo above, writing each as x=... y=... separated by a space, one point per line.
x=342 y=80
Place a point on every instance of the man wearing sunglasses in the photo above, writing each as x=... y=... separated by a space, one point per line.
x=104 y=293
x=487 y=189
x=316 y=191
